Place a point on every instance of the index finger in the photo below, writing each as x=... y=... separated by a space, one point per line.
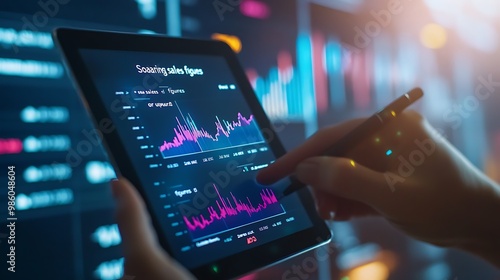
x=314 y=146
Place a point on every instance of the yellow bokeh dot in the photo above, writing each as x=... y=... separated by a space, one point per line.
x=433 y=36
x=353 y=163
x=233 y=41
x=374 y=271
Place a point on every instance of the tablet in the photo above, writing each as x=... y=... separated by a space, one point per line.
x=181 y=121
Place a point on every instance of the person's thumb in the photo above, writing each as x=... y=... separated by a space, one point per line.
x=144 y=258
x=137 y=234
x=344 y=178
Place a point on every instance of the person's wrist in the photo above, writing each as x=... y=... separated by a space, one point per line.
x=483 y=229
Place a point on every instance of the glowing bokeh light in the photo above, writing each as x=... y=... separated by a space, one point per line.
x=233 y=41
x=433 y=36
x=474 y=21
x=372 y=271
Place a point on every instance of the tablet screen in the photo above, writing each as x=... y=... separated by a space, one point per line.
x=196 y=146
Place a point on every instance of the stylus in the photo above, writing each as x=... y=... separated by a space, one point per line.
x=366 y=129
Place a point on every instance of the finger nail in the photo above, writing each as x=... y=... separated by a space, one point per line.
x=306 y=172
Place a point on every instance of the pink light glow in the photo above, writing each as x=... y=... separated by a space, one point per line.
x=11 y=146
x=252 y=76
x=320 y=76
x=284 y=61
x=255 y=9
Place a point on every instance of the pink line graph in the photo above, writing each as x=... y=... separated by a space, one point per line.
x=190 y=132
x=227 y=208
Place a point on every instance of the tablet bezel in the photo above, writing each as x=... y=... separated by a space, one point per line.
x=71 y=40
